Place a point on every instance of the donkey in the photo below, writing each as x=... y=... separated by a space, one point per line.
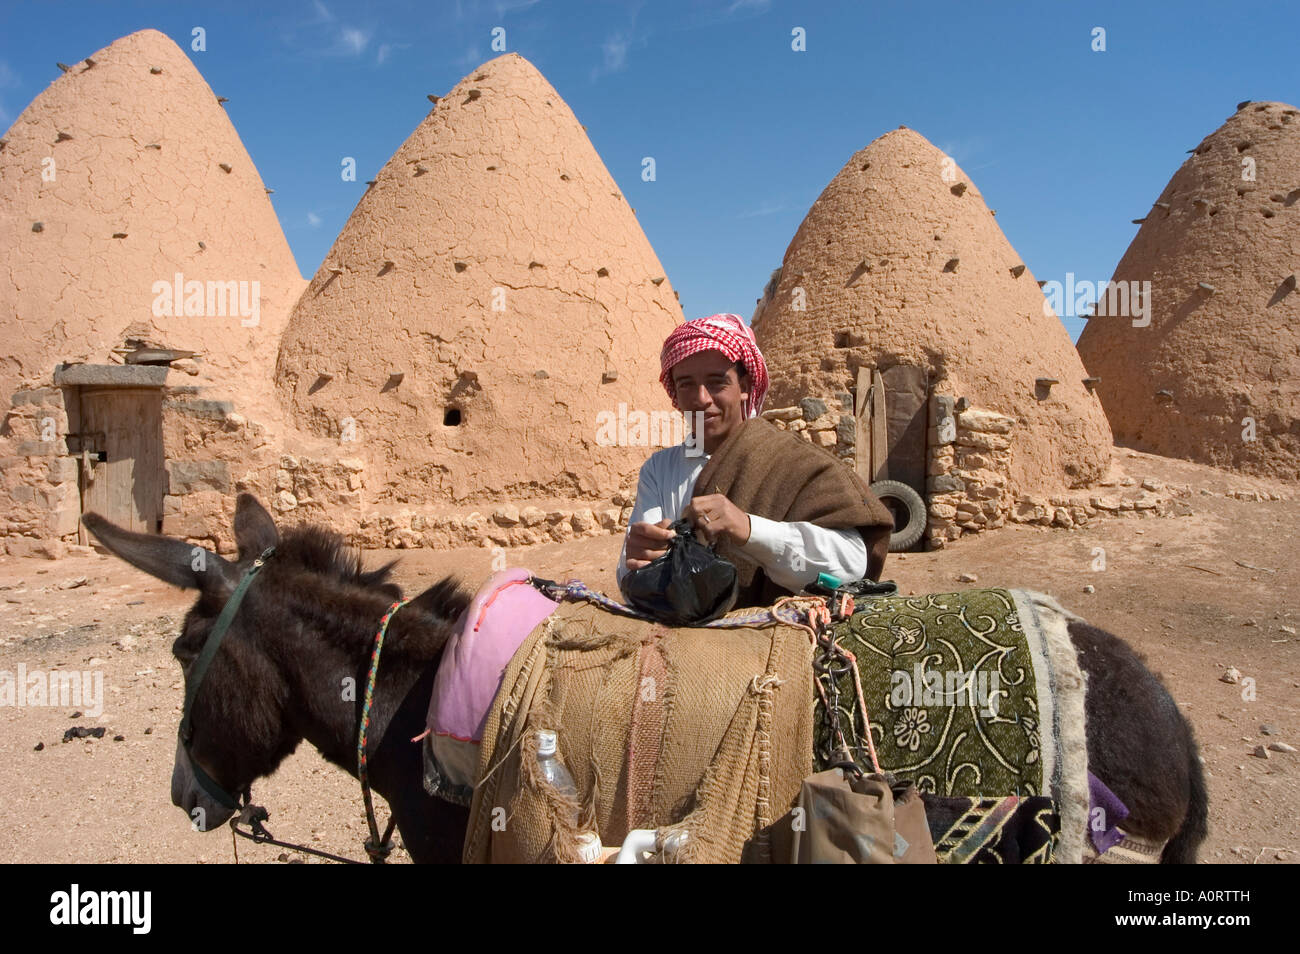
x=309 y=622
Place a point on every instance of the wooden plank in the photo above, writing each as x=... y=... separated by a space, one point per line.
x=862 y=425
x=879 y=430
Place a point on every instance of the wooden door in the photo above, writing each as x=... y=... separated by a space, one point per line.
x=906 y=413
x=122 y=444
x=891 y=425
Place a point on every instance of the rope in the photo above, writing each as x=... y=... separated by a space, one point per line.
x=377 y=848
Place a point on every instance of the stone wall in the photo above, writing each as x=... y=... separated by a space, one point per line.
x=969 y=487
x=39 y=495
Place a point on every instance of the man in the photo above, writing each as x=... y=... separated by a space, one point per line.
x=781 y=509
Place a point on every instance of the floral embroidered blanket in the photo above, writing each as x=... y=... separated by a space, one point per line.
x=972 y=695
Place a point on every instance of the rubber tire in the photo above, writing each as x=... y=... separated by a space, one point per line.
x=906 y=537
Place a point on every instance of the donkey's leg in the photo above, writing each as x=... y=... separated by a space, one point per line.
x=433 y=830
x=1141 y=745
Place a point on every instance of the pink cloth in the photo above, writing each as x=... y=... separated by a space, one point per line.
x=499 y=618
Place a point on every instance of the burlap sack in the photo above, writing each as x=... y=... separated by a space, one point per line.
x=705 y=729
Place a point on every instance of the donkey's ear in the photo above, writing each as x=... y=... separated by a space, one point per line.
x=172 y=561
x=254 y=528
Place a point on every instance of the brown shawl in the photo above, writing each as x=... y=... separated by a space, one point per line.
x=769 y=472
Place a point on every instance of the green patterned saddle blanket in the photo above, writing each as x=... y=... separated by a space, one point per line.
x=977 y=697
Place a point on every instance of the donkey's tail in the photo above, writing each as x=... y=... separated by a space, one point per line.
x=1182 y=848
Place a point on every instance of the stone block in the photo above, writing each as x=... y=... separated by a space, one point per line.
x=188 y=476
x=846 y=430
x=977 y=462
x=989 y=422
x=37 y=396
x=812 y=408
x=942 y=511
x=200 y=408
x=783 y=413
x=33 y=548
x=941 y=406
x=63 y=522
x=64 y=470
x=945 y=484
x=981 y=440
x=507 y=516
x=824 y=438
x=39 y=448
x=584 y=521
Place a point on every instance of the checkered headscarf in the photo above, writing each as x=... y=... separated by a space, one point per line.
x=726 y=333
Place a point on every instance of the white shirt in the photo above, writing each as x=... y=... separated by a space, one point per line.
x=665 y=487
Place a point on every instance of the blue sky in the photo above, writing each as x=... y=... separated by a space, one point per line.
x=1066 y=143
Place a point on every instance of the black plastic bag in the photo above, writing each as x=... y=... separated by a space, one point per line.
x=687 y=586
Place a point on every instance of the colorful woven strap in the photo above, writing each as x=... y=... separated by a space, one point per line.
x=376 y=847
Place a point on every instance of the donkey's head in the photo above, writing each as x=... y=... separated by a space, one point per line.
x=242 y=723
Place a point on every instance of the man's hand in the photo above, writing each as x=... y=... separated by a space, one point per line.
x=715 y=516
x=647 y=542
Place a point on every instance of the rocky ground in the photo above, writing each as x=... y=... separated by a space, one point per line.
x=1200 y=595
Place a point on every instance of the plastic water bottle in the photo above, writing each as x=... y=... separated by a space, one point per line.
x=553 y=770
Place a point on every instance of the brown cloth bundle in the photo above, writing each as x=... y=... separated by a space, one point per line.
x=769 y=472
x=705 y=730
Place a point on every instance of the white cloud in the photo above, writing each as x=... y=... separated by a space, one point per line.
x=354 y=40
x=769 y=207
x=322 y=12
x=313 y=220
x=615 y=50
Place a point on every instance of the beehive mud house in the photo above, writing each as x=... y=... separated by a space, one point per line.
x=1211 y=371
x=490 y=297
x=146 y=283
x=900 y=269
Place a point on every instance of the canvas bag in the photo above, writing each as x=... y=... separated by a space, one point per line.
x=854 y=820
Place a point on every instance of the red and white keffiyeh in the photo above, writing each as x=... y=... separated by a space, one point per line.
x=726 y=333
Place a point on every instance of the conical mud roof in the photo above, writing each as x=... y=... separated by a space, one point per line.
x=123 y=173
x=1221 y=354
x=899 y=261
x=491 y=294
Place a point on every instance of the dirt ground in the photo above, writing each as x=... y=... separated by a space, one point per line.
x=1195 y=594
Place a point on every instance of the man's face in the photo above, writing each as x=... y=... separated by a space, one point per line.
x=707 y=382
